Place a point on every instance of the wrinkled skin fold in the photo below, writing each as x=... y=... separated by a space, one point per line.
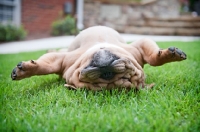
x=123 y=72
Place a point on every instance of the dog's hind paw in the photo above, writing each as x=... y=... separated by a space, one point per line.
x=177 y=53
x=170 y=55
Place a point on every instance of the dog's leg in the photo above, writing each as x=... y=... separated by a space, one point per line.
x=155 y=56
x=47 y=64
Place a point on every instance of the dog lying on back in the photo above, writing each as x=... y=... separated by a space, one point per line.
x=99 y=58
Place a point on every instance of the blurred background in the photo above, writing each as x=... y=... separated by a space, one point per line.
x=32 y=19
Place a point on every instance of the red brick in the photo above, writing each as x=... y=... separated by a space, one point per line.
x=38 y=15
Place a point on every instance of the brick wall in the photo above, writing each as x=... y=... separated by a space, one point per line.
x=38 y=15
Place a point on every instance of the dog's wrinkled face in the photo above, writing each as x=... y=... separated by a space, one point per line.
x=110 y=67
x=101 y=66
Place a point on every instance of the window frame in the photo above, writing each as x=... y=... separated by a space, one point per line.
x=16 y=12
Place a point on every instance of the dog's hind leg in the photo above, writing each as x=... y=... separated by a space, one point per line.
x=47 y=64
x=155 y=56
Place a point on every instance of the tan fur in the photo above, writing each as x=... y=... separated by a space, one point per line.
x=70 y=65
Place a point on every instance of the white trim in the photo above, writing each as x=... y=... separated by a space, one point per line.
x=79 y=10
x=100 y=45
x=17 y=13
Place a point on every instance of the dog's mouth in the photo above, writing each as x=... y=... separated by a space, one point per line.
x=107 y=68
x=106 y=73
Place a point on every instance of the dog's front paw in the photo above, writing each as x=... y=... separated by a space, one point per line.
x=23 y=70
x=177 y=53
x=16 y=72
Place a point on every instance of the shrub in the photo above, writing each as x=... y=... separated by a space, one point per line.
x=66 y=26
x=10 y=33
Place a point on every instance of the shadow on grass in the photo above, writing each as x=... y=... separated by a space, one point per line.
x=44 y=85
x=35 y=85
x=113 y=93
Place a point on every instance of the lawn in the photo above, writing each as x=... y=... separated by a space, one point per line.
x=44 y=104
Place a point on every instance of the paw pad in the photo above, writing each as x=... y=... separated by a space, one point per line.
x=177 y=52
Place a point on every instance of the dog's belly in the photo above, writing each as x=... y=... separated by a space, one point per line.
x=95 y=35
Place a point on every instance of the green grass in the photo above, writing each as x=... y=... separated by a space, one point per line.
x=44 y=104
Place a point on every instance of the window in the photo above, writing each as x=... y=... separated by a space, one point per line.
x=10 y=11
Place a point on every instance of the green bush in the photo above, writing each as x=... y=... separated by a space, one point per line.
x=10 y=33
x=66 y=26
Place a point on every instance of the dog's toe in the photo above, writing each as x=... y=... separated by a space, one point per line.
x=172 y=49
x=19 y=65
x=14 y=74
x=179 y=51
x=183 y=55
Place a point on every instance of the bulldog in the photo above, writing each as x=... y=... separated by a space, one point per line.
x=99 y=58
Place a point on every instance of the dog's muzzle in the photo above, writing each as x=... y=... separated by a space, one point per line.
x=103 y=72
x=101 y=66
x=106 y=67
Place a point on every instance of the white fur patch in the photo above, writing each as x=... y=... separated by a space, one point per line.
x=98 y=46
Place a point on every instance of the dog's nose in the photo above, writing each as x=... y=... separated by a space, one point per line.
x=103 y=60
